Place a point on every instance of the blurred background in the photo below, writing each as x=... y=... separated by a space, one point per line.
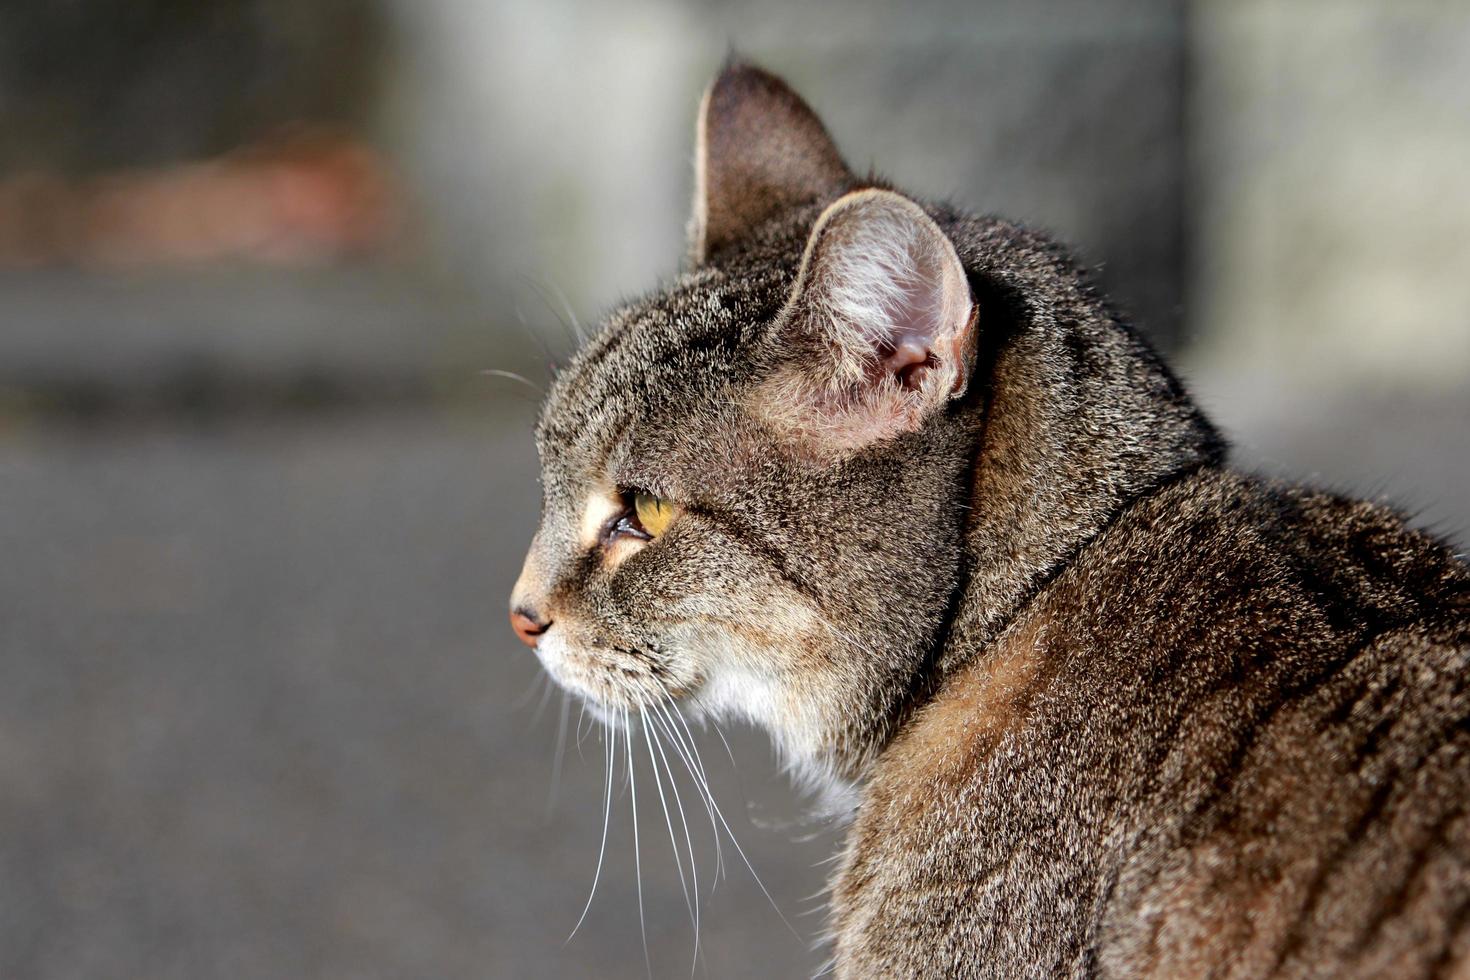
x=261 y=507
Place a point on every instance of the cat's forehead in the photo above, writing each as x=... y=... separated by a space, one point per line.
x=659 y=358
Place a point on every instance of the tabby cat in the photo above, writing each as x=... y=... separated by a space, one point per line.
x=896 y=484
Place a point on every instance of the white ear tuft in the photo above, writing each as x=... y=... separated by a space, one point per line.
x=880 y=323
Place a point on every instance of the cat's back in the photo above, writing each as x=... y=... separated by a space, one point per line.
x=1232 y=737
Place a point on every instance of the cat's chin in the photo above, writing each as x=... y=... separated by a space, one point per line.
x=829 y=797
x=728 y=691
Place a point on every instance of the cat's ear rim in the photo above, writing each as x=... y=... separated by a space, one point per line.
x=879 y=329
x=952 y=334
x=759 y=149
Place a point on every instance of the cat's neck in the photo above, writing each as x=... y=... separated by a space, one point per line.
x=1078 y=418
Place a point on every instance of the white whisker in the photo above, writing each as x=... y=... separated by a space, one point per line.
x=738 y=849
x=542 y=290
x=536 y=336
x=701 y=785
x=673 y=841
x=537 y=684
x=581 y=717
x=609 y=739
x=513 y=376
x=545 y=698
x=728 y=751
x=561 y=745
x=688 y=839
x=832 y=858
x=571 y=315
x=637 y=859
x=825 y=969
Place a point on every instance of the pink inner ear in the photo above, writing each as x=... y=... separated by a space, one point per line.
x=908 y=352
x=908 y=363
x=883 y=293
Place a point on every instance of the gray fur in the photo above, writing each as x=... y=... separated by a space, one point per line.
x=1109 y=707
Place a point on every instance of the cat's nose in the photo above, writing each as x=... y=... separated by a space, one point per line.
x=527 y=626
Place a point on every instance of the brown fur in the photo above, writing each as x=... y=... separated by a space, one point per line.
x=735 y=193
x=1260 y=779
x=1108 y=707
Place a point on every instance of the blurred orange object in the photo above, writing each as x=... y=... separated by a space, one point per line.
x=306 y=196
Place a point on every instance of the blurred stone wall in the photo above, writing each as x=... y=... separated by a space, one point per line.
x=1330 y=142
x=128 y=83
x=553 y=142
x=1279 y=182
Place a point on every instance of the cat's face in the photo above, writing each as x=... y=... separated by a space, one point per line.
x=751 y=499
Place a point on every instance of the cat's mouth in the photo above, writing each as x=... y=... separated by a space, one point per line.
x=614 y=677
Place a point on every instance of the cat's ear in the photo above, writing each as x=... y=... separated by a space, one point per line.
x=879 y=330
x=759 y=150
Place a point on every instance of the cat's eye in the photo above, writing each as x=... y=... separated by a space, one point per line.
x=653 y=513
x=644 y=516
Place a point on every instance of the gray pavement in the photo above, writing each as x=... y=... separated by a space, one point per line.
x=262 y=716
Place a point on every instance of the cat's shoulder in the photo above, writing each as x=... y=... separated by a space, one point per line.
x=1212 y=657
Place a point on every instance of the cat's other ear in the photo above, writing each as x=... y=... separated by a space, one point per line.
x=879 y=330
x=759 y=150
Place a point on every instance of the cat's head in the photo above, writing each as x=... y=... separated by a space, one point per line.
x=749 y=479
x=757 y=482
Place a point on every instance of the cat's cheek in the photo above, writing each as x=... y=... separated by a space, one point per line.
x=766 y=677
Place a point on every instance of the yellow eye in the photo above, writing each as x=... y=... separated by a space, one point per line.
x=654 y=513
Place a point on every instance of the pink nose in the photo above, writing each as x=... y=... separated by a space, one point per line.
x=527 y=627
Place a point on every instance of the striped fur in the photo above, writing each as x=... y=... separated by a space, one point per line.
x=1102 y=705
